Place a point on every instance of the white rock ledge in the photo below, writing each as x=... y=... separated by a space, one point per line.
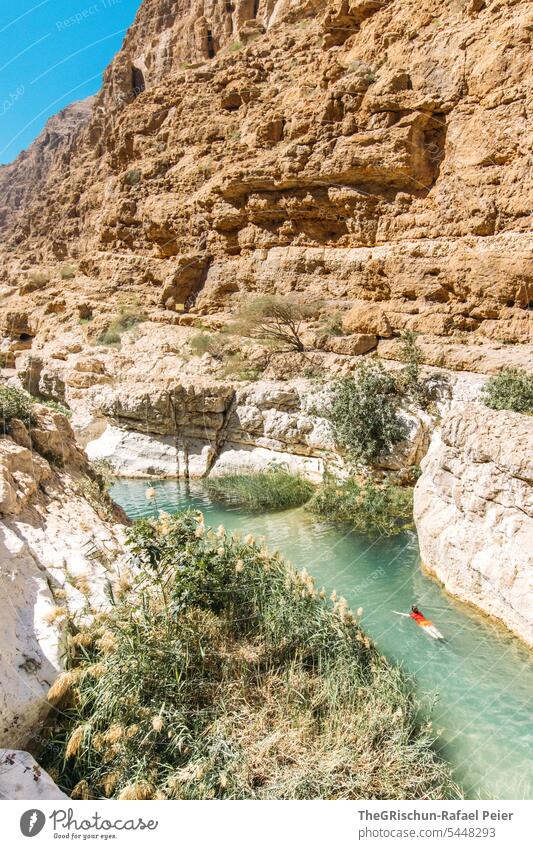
x=474 y=512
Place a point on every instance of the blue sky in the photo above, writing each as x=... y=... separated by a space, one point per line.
x=53 y=52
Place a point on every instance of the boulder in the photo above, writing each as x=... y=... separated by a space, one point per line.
x=22 y=778
x=367 y=317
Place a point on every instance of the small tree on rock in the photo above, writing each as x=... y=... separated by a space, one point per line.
x=275 y=321
x=364 y=412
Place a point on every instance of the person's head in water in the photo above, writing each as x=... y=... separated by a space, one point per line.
x=414 y=609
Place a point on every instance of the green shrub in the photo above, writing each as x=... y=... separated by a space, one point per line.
x=364 y=412
x=511 y=389
x=207 y=343
x=274 y=489
x=410 y=381
x=67 y=272
x=218 y=672
x=133 y=177
x=368 y=507
x=14 y=404
x=128 y=317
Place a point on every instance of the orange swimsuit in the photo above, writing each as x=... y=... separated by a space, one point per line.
x=420 y=619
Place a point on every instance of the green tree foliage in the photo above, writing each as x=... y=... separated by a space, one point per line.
x=364 y=412
x=511 y=389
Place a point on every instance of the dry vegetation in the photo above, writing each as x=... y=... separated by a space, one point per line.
x=221 y=673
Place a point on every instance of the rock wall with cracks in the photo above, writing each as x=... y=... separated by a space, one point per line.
x=58 y=552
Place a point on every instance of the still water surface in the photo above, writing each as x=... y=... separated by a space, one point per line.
x=479 y=681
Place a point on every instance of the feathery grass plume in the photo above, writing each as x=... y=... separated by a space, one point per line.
x=81 y=790
x=82 y=584
x=139 y=790
x=109 y=782
x=96 y=670
x=62 y=685
x=107 y=642
x=75 y=740
x=55 y=614
x=81 y=639
x=150 y=493
x=157 y=723
x=114 y=733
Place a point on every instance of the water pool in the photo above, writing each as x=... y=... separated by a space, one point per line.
x=479 y=682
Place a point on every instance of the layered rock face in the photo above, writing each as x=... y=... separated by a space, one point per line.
x=57 y=551
x=358 y=152
x=474 y=513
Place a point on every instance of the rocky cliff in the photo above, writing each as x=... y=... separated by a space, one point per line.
x=355 y=151
x=58 y=546
x=474 y=512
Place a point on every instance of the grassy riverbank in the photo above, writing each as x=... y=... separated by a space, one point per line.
x=219 y=672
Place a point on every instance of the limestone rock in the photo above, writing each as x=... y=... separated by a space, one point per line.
x=474 y=512
x=50 y=532
x=22 y=778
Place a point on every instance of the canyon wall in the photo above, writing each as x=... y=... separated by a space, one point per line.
x=362 y=153
x=59 y=548
x=474 y=512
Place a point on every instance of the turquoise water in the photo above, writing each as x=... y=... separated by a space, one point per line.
x=479 y=681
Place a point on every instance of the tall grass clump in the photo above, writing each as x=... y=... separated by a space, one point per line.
x=127 y=318
x=274 y=489
x=219 y=672
x=14 y=404
x=369 y=507
x=511 y=389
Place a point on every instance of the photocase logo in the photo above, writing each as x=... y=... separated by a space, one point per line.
x=32 y=822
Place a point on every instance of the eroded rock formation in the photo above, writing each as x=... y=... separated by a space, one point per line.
x=474 y=512
x=56 y=553
x=357 y=152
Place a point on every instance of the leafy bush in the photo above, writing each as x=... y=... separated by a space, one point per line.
x=410 y=381
x=364 y=412
x=14 y=404
x=370 y=508
x=511 y=389
x=218 y=672
x=133 y=177
x=274 y=489
x=128 y=317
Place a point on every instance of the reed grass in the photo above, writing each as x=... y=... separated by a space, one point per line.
x=219 y=672
x=274 y=489
x=369 y=507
